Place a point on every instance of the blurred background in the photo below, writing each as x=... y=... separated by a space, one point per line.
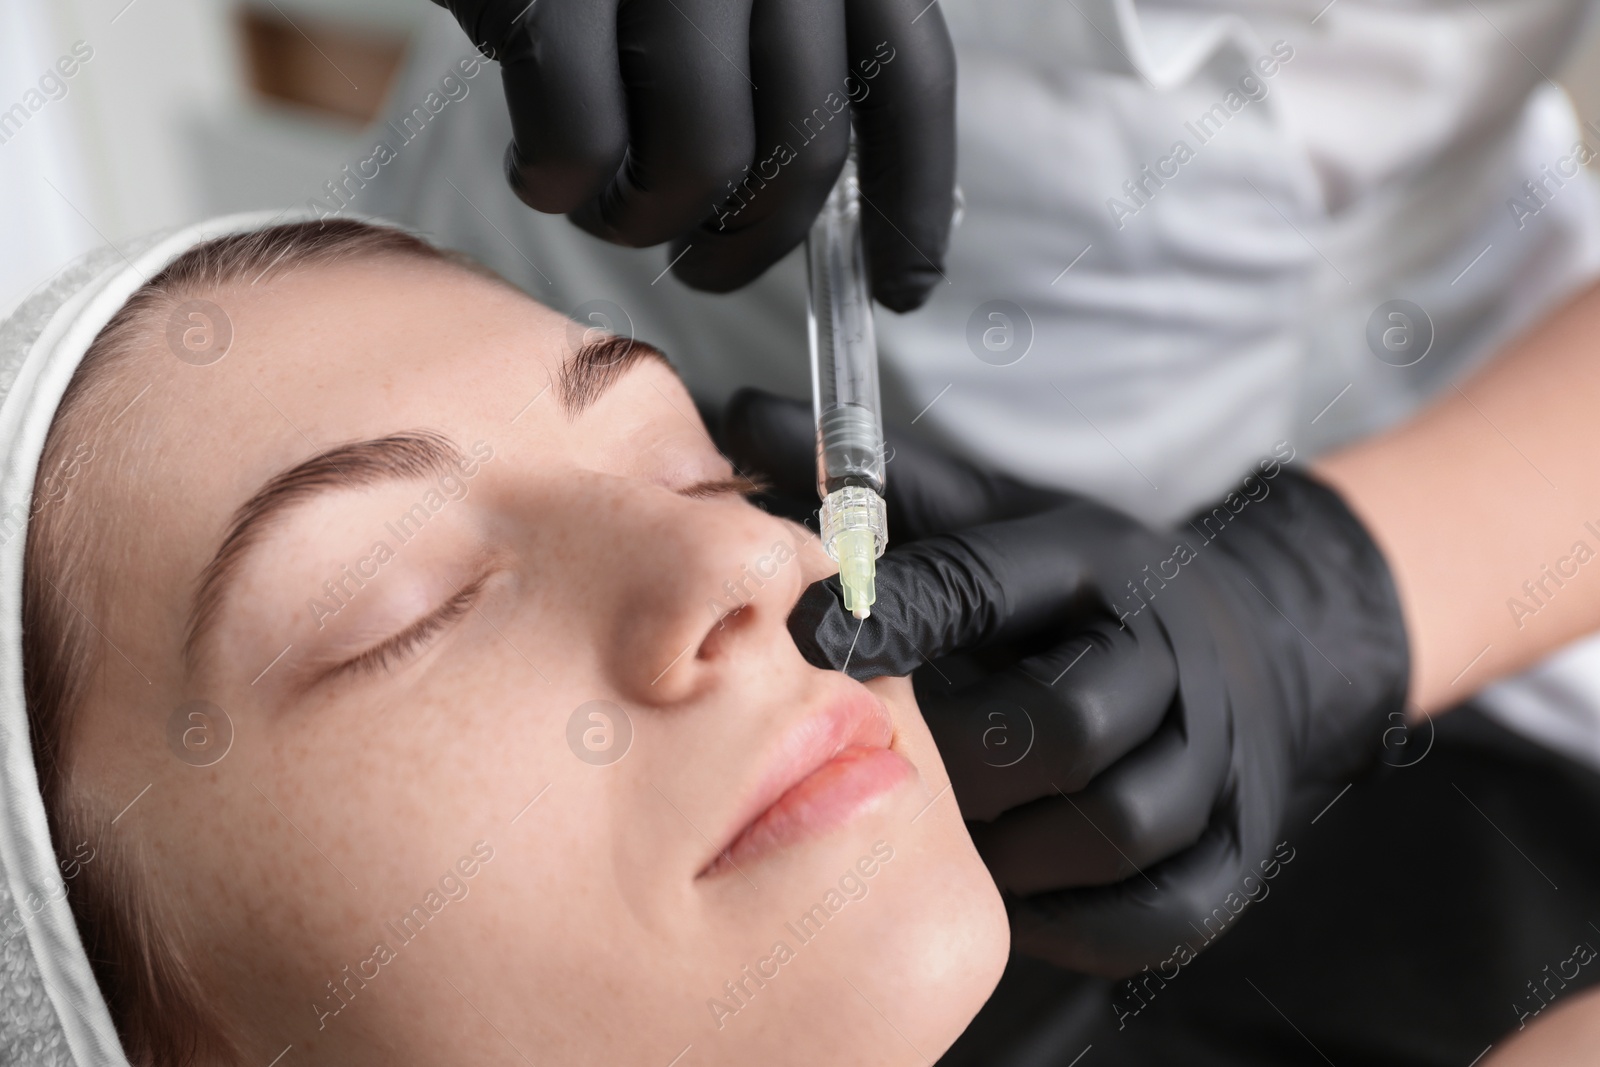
x=178 y=109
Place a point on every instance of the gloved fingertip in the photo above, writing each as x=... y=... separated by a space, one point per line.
x=817 y=624
x=830 y=637
x=906 y=290
x=709 y=272
x=711 y=260
x=541 y=190
x=515 y=177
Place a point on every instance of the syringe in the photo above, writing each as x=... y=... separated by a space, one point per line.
x=844 y=394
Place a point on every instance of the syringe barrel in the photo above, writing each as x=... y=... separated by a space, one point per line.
x=844 y=349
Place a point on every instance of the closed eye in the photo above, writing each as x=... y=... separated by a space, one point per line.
x=406 y=644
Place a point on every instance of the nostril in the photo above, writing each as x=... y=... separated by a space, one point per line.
x=714 y=603
x=676 y=679
x=726 y=627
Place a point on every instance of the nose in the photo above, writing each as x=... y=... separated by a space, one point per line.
x=705 y=591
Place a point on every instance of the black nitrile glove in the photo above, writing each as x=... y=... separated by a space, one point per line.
x=1128 y=716
x=720 y=125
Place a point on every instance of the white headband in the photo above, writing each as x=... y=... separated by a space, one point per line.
x=51 y=1010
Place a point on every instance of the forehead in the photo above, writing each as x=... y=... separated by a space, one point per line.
x=343 y=331
x=324 y=353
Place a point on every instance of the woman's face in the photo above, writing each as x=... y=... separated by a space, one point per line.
x=518 y=762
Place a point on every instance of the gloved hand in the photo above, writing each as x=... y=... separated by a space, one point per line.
x=1130 y=716
x=720 y=125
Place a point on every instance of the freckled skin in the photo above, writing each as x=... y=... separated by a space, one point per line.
x=346 y=799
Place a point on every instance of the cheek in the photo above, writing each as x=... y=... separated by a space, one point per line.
x=897 y=695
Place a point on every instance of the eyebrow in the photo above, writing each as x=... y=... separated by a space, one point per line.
x=408 y=456
x=597 y=365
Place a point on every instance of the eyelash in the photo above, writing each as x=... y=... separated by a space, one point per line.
x=740 y=485
x=383 y=656
x=403 y=645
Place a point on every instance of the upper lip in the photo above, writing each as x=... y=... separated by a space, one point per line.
x=848 y=719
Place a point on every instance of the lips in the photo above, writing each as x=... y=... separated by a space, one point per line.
x=830 y=767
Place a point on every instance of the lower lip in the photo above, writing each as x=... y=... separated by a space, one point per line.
x=827 y=798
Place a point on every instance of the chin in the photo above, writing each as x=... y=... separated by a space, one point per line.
x=917 y=974
x=956 y=942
